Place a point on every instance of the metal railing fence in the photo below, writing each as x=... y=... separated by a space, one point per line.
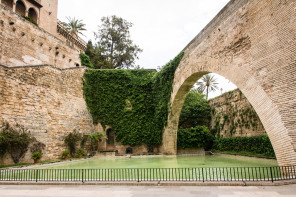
x=226 y=174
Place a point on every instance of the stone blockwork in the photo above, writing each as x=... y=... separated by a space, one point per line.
x=114 y=145
x=23 y=43
x=252 y=43
x=47 y=101
x=234 y=116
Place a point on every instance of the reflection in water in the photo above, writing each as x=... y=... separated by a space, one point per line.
x=165 y=162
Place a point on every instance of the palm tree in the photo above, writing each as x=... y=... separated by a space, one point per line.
x=74 y=26
x=207 y=84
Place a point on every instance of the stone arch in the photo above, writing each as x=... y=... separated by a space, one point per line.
x=32 y=14
x=7 y=3
x=235 y=45
x=20 y=8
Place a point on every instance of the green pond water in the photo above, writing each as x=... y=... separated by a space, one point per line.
x=164 y=162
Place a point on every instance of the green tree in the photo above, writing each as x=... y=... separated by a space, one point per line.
x=96 y=57
x=114 y=43
x=74 y=26
x=196 y=111
x=207 y=84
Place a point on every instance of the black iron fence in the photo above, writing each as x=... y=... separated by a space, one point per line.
x=227 y=174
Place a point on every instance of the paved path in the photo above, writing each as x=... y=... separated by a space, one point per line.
x=144 y=191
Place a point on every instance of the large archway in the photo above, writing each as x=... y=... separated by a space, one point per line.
x=252 y=43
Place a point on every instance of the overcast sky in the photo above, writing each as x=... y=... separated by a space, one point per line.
x=162 y=28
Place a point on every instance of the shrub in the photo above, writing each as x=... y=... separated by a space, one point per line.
x=256 y=144
x=195 y=137
x=80 y=152
x=65 y=154
x=36 y=155
x=71 y=140
x=15 y=140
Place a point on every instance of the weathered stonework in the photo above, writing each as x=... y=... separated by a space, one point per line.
x=118 y=147
x=252 y=43
x=22 y=43
x=234 y=116
x=47 y=101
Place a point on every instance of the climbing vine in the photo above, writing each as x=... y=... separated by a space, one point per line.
x=135 y=103
x=238 y=120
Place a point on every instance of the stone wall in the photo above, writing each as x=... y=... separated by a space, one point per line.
x=121 y=149
x=234 y=116
x=47 y=101
x=23 y=43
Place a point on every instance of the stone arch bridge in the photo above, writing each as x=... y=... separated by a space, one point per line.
x=253 y=44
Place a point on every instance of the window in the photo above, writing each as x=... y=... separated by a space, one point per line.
x=20 y=8
x=33 y=15
x=8 y=3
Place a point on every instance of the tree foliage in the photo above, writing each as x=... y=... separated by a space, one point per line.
x=95 y=53
x=114 y=47
x=207 y=84
x=74 y=26
x=85 y=60
x=196 y=111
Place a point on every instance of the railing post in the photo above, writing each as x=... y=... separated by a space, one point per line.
x=271 y=174
x=138 y=175
x=37 y=176
x=203 y=180
x=82 y=175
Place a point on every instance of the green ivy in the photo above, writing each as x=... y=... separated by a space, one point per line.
x=256 y=144
x=143 y=117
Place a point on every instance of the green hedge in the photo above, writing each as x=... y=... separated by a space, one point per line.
x=195 y=137
x=256 y=144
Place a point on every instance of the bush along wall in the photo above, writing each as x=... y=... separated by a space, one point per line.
x=135 y=103
x=257 y=144
x=195 y=137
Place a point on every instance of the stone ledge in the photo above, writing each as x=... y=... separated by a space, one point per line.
x=157 y=183
x=43 y=65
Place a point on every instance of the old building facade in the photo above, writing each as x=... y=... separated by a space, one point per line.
x=48 y=42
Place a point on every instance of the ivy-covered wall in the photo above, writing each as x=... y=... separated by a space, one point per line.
x=234 y=116
x=134 y=103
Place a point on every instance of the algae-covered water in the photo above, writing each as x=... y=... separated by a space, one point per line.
x=164 y=162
